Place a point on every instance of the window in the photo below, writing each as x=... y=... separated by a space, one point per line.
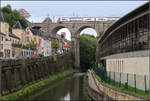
x=5 y=28
x=34 y=38
x=1 y=46
x=27 y=39
x=27 y=32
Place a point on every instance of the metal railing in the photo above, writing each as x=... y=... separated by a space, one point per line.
x=124 y=81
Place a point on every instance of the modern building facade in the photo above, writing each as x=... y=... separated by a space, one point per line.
x=124 y=45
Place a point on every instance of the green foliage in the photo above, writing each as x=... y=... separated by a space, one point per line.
x=85 y=90
x=87 y=51
x=62 y=35
x=12 y=16
x=55 y=44
x=32 y=45
x=16 y=44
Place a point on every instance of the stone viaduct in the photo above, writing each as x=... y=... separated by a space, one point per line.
x=50 y=28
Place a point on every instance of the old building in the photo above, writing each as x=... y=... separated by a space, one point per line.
x=5 y=43
x=37 y=38
x=13 y=38
x=20 y=32
x=2 y=40
x=66 y=45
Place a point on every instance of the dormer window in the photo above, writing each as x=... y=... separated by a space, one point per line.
x=27 y=32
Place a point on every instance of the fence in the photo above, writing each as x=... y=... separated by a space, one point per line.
x=17 y=73
x=132 y=82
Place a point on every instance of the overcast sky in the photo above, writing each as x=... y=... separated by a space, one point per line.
x=54 y=9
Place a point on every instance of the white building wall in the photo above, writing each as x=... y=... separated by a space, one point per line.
x=46 y=45
x=133 y=65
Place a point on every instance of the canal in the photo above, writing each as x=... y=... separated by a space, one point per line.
x=69 y=88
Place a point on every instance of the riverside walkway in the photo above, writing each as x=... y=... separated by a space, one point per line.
x=100 y=91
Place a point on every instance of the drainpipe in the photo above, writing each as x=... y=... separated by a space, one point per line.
x=149 y=48
x=0 y=79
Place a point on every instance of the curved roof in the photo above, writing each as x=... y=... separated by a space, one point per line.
x=125 y=18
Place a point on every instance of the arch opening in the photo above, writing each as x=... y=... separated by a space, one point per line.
x=85 y=52
x=87 y=30
x=62 y=41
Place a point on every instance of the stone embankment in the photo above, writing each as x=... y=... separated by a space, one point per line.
x=15 y=74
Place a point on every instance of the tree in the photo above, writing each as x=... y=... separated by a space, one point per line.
x=62 y=35
x=25 y=14
x=87 y=51
x=12 y=16
x=55 y=44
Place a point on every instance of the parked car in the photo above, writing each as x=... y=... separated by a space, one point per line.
x=21 y=57
x=35 y=56
x=41 y=55
x=28 y=57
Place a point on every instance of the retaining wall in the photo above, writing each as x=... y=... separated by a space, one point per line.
x=17 y=73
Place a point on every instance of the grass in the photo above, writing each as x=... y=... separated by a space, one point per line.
x=85 y=90
x=122 y=87
x=36 y=86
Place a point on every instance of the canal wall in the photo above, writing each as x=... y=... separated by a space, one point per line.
x=107 y=93
x=15 y=74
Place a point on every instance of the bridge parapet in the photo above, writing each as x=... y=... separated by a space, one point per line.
x=17 y=73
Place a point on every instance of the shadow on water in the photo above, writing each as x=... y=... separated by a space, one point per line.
x=66 y=89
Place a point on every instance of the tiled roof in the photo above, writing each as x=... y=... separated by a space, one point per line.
x=14 y=36
x=2 y=33
x=36 y=32
x=1 y=17
x=17 y=25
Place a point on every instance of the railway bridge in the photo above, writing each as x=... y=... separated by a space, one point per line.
x=50 y=28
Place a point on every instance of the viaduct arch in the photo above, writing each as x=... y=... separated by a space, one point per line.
x=50 y=28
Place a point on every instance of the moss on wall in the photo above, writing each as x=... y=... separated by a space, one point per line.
x=28 y=89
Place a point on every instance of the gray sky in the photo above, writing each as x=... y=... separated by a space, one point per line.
x=41 y=9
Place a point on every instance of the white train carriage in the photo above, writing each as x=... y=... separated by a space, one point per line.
x=64 y=19
x=88 y=19
x=76 y=19
x=101 y=19
x=113 y=18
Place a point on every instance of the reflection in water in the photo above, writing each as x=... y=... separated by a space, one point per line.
x=67 y=89
x=66 y=97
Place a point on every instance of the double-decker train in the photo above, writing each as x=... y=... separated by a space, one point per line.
x=86 y=19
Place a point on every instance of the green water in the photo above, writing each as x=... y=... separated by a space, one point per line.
x=66 y=89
